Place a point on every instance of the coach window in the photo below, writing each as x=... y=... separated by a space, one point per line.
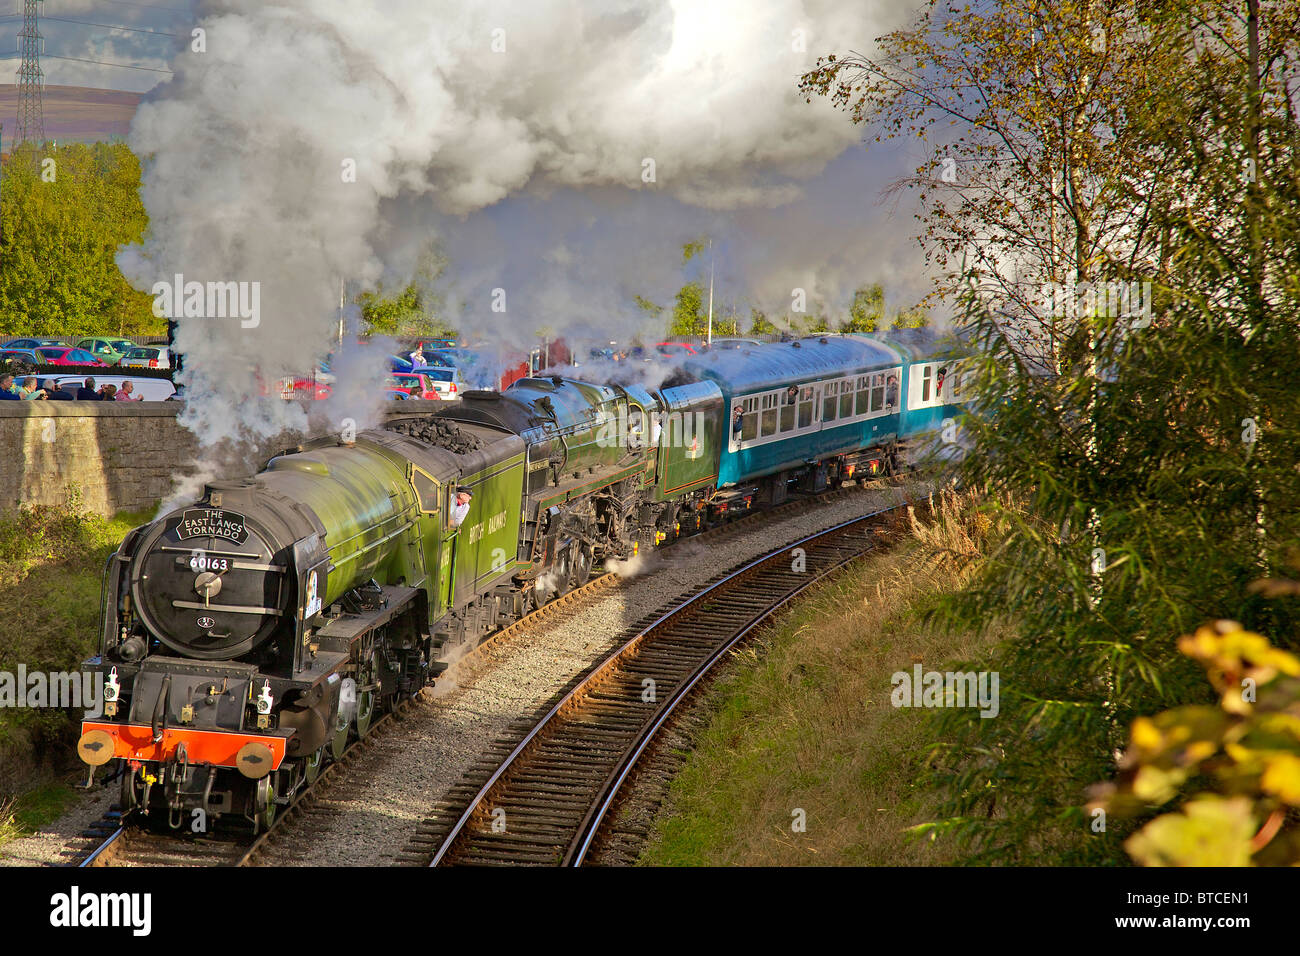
x=927 y=373
x=770 y=413
x=846 y=398
x=864 y=394
x=806 y=406
x=788 y=401
x=749 y=424
x=830 y=393
x=878 y=392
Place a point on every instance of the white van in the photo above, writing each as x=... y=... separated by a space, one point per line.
x=149 y=389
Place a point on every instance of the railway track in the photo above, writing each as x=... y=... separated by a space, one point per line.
x=122 y=841
x=545 y=801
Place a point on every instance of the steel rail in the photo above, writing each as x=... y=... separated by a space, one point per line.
x=618 y=655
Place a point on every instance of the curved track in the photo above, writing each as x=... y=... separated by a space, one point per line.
x=545 y=802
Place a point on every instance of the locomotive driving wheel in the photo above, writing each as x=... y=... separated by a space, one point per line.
x=342 y=723
x=367 y=676
x=554 y=581
x=582 y=562
x=264 y=808
x=313 y=765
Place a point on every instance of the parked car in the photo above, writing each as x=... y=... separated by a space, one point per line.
x=492 y=372
x=732 y=343
x=300 y=387
x=448 y=382
x=147 y=356
x=29 y=343
x=107 y=349
x=415 y=385
x=395 y=394
x=25 y=356
x=675 y=349
x=66 y=355
x=148 y=389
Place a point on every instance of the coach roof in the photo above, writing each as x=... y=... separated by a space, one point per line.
x=778 y=363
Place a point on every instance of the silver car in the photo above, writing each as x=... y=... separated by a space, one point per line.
x=148 y=356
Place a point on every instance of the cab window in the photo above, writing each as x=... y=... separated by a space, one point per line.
x=427 y=491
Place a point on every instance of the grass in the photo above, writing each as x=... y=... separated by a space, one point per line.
x=51 y=566
x=804 y=726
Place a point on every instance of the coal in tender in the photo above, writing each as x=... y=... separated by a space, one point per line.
x=439 y=432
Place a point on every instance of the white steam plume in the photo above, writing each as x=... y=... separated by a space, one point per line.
x=441 y=110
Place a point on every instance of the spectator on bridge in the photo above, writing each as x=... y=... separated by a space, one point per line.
x=7 y=390
x=54 y=393
x=127 y=393
x=28 y=390
x=87 y=392
x=108 y=393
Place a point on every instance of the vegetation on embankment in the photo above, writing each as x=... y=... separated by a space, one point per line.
x=51 y=565
x=804 y=721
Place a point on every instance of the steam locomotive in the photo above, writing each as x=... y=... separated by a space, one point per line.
x=248 y=637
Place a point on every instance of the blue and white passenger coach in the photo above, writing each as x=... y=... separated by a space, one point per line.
x=821 y=410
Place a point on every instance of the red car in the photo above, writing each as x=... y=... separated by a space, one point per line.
x=291 y=388
x=675 y=349
x=414 y=384
x=65 y=355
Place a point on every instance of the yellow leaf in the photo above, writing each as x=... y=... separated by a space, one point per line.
x=1146 y=736
x=1282 y=778
x=1156 y=785
x=1210 y=831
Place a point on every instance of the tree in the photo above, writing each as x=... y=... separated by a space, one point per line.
x=689 y=315
x=759 y=324
x=917 y=317
x=66 y=211
x=1139 y=462
x=414 y=310
x=1029 y=189
x=867 y=309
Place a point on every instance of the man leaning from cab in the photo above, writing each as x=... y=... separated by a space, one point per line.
x=458 y=513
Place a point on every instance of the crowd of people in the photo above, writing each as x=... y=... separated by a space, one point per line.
x=49 y=390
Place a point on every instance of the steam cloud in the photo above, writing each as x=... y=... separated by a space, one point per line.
x=516 y=134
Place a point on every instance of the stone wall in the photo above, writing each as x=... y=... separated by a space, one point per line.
x=120 y=456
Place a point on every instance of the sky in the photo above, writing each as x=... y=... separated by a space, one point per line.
x=142 y=52
x=859 y=236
